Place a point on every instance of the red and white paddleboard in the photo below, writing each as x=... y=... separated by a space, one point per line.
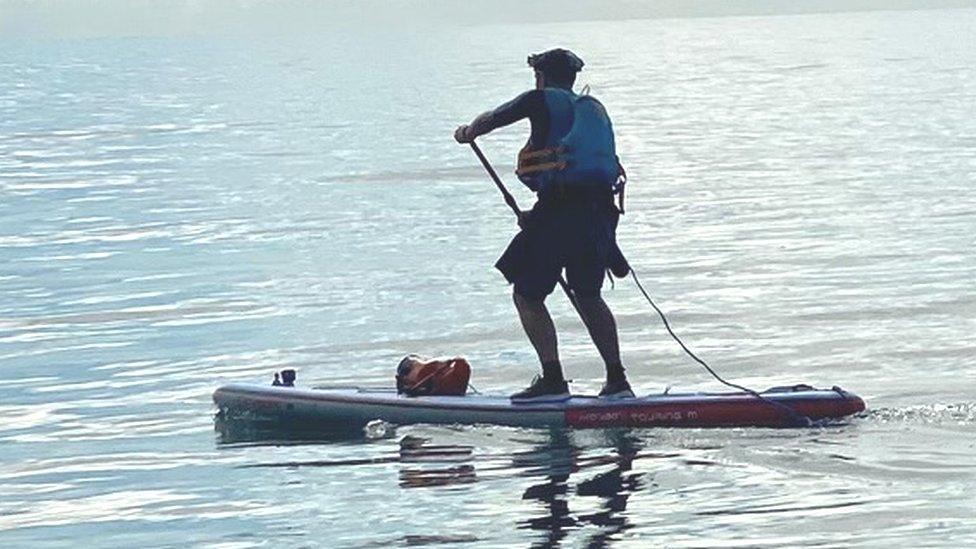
x=349 y=407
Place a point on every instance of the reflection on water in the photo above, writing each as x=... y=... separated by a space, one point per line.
x=563 y=476
x=556 y=461
x=597 y=488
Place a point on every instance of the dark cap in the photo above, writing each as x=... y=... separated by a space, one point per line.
x=557 y=61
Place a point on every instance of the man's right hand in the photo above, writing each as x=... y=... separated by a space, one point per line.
x=524 y=217
x=462 y=134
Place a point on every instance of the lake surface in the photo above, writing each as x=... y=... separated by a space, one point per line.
x=181 y=212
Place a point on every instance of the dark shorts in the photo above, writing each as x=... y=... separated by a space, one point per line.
x=575 y=235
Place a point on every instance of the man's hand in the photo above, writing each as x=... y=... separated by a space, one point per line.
x=463 y=134
x=524 y=218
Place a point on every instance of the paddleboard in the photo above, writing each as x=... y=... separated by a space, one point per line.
x=350 y=407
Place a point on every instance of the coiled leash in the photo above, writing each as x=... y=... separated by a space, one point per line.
x=796 y=419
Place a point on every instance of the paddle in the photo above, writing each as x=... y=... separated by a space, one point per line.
x=510 y=200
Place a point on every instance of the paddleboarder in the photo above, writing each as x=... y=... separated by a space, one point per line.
x=569 y=161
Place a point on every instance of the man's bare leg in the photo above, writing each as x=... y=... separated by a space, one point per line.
x=539 y=327
x=603 y=330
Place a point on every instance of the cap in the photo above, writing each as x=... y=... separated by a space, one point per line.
x=557 y=60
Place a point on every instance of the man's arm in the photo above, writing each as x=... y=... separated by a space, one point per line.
x=523 y=106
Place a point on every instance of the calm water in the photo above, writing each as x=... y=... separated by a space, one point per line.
x=178 y=213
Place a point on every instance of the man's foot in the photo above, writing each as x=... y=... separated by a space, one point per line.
x=543 y=390
x=616 y=389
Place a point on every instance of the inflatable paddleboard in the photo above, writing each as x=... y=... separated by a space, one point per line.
x=350 y=407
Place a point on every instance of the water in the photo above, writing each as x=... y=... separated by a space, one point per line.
x=181 y=212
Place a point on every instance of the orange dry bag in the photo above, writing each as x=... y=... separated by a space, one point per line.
x=418 y=376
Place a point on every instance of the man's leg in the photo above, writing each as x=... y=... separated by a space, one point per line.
x=603 y=330
x=539 y=327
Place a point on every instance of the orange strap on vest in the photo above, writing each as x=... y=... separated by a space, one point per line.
x=541 y=160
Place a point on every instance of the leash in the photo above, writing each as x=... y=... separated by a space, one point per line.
x=797 y=419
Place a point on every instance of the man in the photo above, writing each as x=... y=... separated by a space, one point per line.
x=570 y=163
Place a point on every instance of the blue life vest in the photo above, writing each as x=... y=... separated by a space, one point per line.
x=579 y=151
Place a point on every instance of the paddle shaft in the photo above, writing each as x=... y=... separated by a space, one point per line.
x=510 y=200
